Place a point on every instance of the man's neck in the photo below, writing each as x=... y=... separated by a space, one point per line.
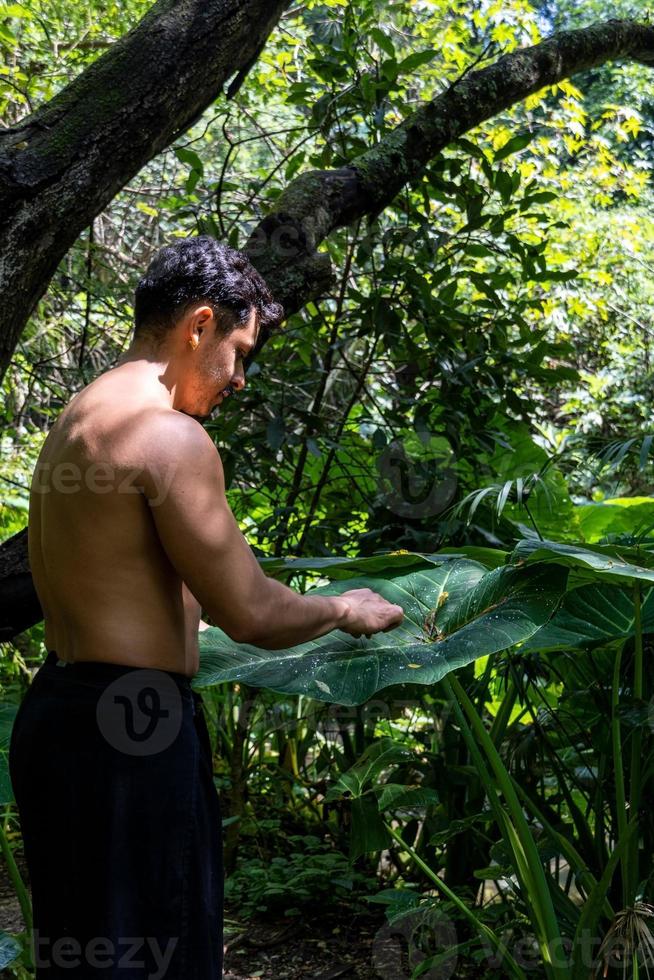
x=153 y=366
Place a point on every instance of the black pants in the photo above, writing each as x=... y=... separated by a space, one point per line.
x=111 y=770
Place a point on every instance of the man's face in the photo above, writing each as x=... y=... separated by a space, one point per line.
x=216 y=370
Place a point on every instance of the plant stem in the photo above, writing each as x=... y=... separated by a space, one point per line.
x=523 y=844
x=635 y=770
x=620 y=799
x=529 y=515
x=16 y=880
x=508 y=962
x=586 y=878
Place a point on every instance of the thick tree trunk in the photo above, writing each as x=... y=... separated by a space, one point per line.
x=19 y=604
x=284 y=246
x=62 y=165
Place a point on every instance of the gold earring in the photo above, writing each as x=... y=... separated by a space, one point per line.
x=193 y=342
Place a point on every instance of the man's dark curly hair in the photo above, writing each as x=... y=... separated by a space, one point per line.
x=200 y=269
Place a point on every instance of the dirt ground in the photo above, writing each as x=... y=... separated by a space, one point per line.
x=325 y=947
x=11 y=919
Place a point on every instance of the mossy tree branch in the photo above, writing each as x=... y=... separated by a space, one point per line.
x=63 y=164
x=317 y=202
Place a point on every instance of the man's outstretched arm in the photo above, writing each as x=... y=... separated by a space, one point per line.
x=185 y=488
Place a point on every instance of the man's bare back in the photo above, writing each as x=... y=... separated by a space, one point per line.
x=107 y=587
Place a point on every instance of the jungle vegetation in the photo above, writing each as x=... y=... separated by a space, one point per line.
x=453 y=201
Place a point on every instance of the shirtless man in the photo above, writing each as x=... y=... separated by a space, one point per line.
x=130 y=539
x=130 y=532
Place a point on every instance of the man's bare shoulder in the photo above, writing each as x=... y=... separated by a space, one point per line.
x=175 y=448
x=167 y=432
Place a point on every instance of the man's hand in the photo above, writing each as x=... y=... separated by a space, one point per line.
x=370 y=613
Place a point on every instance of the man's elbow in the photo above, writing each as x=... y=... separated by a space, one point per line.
x=239 y=630
x=247 y=624
x=244 y=631
x=257 y=638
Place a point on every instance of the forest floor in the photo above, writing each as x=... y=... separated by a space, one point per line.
x=319 y=946
x=322 y=946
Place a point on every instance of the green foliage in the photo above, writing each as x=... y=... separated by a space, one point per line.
x=311 y=875
x=604 y=615
x=467 y=303
x=18 y=454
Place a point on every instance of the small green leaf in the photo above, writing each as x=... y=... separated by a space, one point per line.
x=190 y=157
x=542 y=197
x=191 y=181
x=513 y=145
x=294 y=165
x=146 y=209
x=504 y=185
x=416 y=59
x=383 y=41
x=275 y=432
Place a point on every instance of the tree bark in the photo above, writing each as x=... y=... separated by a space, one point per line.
x=63 y=164
x=19 y=604
x=284 y=245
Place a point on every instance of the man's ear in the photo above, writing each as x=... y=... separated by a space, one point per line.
x=202 y=315
x=198 y=319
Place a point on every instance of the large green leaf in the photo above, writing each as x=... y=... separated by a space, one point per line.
x=394 y=796
x=595 y=562
x=454 y=613
x=621 y=515
x=367 y=831
x=386 y=564
x=489 y=557
x=359 y=778
x=340 y=568
x=591 y=616
x=361 y=782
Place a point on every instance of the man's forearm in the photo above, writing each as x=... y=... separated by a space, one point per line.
x=287 y=618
